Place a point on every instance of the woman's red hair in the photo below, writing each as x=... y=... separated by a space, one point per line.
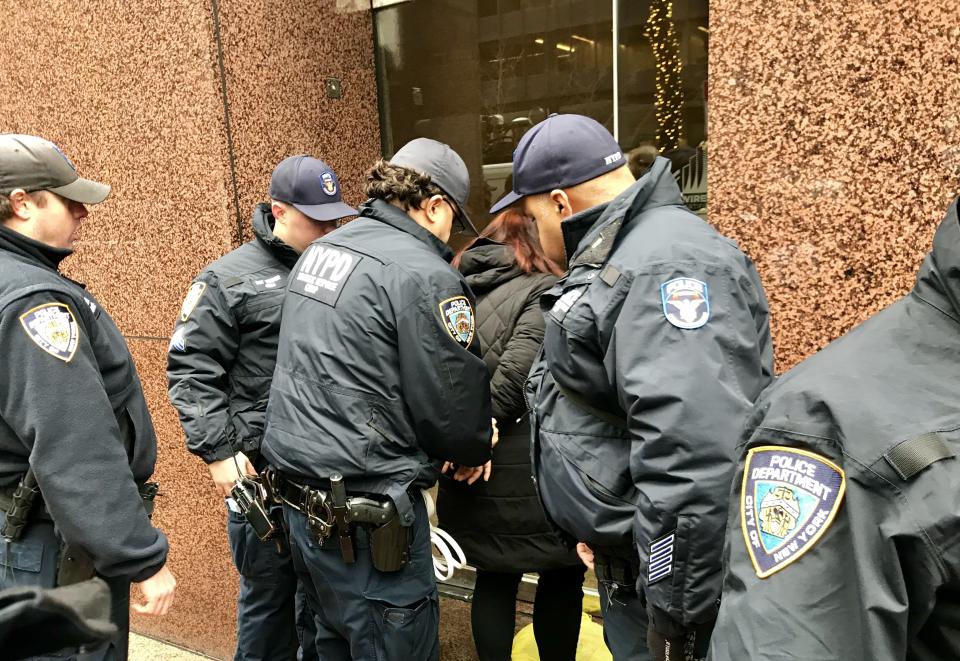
x=518 y=231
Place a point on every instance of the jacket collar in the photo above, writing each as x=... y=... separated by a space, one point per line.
x=263 y=224
x=34 y=251
x=395 y=217
x=938 y=281
x=589 y=236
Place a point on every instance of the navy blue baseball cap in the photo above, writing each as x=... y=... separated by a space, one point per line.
x=311 y=187
x=560 y=152
x=445 y=168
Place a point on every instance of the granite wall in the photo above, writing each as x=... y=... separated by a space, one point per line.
x=132 y=92
x=834 y=150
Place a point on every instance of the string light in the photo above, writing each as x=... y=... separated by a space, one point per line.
x=669 y=85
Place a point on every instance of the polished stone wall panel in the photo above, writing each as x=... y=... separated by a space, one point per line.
x=193 y=517
x=278 y=57
x=129 y=93
x=834 y=151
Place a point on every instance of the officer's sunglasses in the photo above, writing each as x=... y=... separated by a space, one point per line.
x=462 y=223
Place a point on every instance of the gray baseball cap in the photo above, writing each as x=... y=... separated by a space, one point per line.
x=445 y=167
x=34 y=164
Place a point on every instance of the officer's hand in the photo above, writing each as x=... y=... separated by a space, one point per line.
x=468 y=473
x=496 y=434
x=586 y=555
x=158 y=592
x=224 y=473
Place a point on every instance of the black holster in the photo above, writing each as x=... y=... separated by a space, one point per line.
x=619 y=573
x=390 y=545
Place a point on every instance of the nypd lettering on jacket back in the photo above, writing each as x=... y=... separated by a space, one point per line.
x=322 y=272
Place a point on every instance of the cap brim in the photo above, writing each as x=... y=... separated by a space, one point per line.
x=84 y=191
x=326 y=212
x=465 y=220
x=507 y=200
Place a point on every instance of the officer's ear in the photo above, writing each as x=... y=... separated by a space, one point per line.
x=21 y=204
x=434 y=208
x=561 y=202
x=278 y=212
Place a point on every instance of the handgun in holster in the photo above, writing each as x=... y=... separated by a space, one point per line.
x=389 y=541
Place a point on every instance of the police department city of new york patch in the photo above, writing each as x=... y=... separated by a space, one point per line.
x=192 y=298
x=686 y=302
x=458 y=319
x=788 y=500
x=53 y=328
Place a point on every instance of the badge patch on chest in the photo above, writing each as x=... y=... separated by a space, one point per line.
x=458 y=319
x=53 y=328
x=686 y=302
x=192 y=298
x=789 y=499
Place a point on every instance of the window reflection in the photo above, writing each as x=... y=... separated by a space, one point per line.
x=478 y=74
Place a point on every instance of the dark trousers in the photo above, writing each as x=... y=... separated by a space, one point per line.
x=363 y=614
x=271 y=610
x=557 y=610
x=624 y=624
x=32 y=560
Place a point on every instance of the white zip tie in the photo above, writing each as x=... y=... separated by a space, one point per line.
x=451 y=555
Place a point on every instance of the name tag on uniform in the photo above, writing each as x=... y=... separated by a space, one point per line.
x=323 y=271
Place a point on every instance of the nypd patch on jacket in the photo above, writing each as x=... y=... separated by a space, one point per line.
x=844 y=533
x=378 y=371
x=657 y=344
x=224 y=345
x=73 y=409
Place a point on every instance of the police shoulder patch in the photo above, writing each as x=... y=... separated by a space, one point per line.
x=686 y=302
x=458 y=319
x=192 y=298
x=53 y=328
x=788 y=500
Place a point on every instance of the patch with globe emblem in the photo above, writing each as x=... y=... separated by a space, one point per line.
x=53 y=328
x=788 y=501
x=458 y=319
x=686 y=302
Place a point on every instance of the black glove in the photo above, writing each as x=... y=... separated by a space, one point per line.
x=668 y=641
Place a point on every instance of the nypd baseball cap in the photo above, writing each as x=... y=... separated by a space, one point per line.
x=560 y=152
x=35 y=164
x=445 y=168
x=310 y=186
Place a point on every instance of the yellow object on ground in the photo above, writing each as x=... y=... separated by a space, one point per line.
x=590 y=647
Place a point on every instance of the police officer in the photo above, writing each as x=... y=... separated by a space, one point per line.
x=220 y=363
x=75 y=433
x=378 y=380
x=656 y=346
x=844 y=531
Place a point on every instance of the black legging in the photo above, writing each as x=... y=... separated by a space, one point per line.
x=556 y=613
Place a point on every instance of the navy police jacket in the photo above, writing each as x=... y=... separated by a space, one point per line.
x=224 y=346
x=657 y=344
x=72 y=408
x=844 y=533
x=378 y=371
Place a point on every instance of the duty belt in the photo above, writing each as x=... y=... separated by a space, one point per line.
x=318 y=506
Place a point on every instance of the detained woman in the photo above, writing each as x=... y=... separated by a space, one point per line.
x=500 y=523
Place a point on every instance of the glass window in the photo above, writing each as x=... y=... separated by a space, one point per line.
x=477 y=74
